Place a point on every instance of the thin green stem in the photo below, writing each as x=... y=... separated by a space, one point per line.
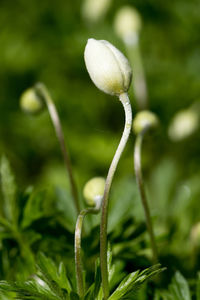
x=140 y=183
x=77 y=246
x=139 y=81
x=43 y=92
x=104 y=217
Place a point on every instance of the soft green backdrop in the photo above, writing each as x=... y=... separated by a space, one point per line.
x=44 y=41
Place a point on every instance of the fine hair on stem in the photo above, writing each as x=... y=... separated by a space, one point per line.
x=42 y=91
x=104 y=217
x=140 y=183
x=77 y=247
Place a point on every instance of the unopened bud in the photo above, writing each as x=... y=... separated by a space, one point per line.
x=94 y=10
x=144 y=120
x=108 y=68
x=183 y=124
x=127 y=24
x=93 y=191
x=30 y=102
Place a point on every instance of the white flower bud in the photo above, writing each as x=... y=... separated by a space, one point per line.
x=93 y=191
x=144 y=120
x=108 y=68
x=127 y=24
x=93 y=10
x=183 y=124
x=30 y=102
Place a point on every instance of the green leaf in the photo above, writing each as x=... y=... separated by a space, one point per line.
x=179 y=288
x=62 y=278
x=33 y=209
x=97 y=278
x=29 y=290
x=131 y=283
x=50 y=284
x=93 y=291
x=6 y=224
x=56 y=279
x=8 y=187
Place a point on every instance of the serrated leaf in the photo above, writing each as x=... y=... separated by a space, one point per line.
x=124 y=286
x=52 y=277
x=29 y=290
x=132 y=282
x=8 y=187
x=63 y=280
x=179 y=287
x=33 y=209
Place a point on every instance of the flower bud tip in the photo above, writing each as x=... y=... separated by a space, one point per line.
x=93 y=191
x=108 y=68
x=144 y=120
x=184 y=123
x=30 y=102
x=127 y=24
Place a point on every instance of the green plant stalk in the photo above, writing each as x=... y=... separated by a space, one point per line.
x=104 y=217
x=139 y=81
x=77 y=247
x=140 y=183
x=43 y=92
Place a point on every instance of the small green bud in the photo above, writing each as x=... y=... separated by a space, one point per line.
x=127 y=24
x=93 y=191
x=144 y=120
x=30 y=102
x=94 y=10
x=108 y=68
x=184 y=123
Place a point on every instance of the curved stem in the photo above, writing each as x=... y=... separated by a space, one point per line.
x=77 y=246
x=140 y=183
x=104 y=217
x=43 y=92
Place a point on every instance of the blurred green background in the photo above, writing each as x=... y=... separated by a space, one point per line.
x=44 y=41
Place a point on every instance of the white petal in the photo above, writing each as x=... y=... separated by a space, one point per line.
x=107 y=67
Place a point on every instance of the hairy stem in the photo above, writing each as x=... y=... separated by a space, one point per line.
x=140 y=183
x=77 y=246
x=43 y=92
x=104 y=217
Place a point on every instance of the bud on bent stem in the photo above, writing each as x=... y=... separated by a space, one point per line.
x=184 y=123
x=37 y=97
x=128 y=24
x=94 y=10
x=93 y=192
x=30 y=102
x=110 y=71
x=143 y=121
